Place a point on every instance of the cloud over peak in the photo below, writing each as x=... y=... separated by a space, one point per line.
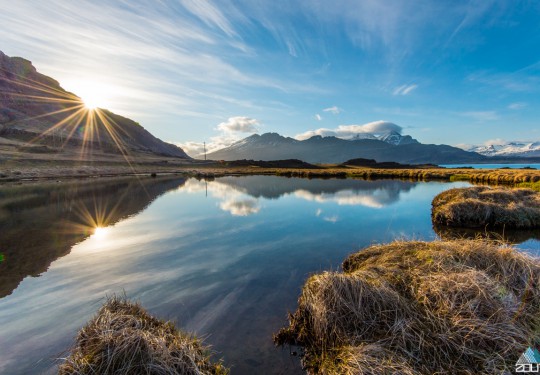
x=239 y=124
x=350 y=131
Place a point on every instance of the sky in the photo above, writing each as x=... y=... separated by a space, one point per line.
x=191 y=71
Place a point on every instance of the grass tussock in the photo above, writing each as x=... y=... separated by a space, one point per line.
x=124 y=339
x=484 y=206
x=445 y=307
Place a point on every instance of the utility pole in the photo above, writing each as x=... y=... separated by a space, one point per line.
x=204 y=145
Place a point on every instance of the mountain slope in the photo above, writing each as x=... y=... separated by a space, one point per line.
x=34 y=107
x=272 y=146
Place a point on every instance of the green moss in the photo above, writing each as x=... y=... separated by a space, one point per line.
x=460 y=177
x=530 y=185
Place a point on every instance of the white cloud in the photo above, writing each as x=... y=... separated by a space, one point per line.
x=331 y=219
x=516 y=106
x=404 y=89
x=231 y=131
x=349 y=131
x=239 y=124
x=495 y=142
x=464 y=146
x=333 y=110
x=191 y=148
x=318 y=117
x=482 y=115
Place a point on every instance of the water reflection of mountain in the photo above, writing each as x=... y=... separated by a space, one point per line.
x=342 y=191
x=41 y=222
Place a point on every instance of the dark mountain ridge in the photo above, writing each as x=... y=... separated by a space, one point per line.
x=34 y=107
x=318 y=149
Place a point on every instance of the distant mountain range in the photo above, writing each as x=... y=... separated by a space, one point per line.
x=510 y=149
x=387 y=147
x=34 y=107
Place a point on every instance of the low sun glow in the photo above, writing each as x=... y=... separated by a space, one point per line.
x=94 y=93
x=100 y=233
x=90 y=103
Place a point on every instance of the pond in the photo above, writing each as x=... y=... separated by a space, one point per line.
x=224 y=258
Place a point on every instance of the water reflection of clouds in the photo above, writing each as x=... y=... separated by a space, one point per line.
x=232 y=199
x=244 y=207
x=373 y=198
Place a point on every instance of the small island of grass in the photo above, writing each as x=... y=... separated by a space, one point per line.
x=124 y=339
x=483 y=206
x=445 y=307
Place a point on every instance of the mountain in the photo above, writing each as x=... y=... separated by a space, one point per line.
x=510 y=149
x=34 y=107
x=394 y=138
x=402 y=149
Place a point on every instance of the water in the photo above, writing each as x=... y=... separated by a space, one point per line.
x=224 y=258
x=493 y=166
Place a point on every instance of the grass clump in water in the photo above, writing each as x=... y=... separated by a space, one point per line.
x=124 y=339
x=445 y=307
x=484 y=206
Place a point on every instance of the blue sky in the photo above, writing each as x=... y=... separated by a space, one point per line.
x=454 y=72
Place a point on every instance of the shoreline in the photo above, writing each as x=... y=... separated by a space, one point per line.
x=47 y=171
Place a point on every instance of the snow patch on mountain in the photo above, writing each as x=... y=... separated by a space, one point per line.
x=515 y=148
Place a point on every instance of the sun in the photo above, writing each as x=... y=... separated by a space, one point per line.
x=90 y=102
x=100 y=233
x=93 y=93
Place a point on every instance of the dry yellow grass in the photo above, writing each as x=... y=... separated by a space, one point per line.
x=445 y=307
x=484 y=206
x=124 y=339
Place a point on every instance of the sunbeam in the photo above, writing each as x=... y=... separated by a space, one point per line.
x=79 y=122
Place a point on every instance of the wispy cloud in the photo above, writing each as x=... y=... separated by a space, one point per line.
x=333 y=110
x=318 y=117
x=350 y=131
x=516 y=106
x=331 y=219
x=404 y=89
x=495 y=142
x=519 y=81
x=482 y=115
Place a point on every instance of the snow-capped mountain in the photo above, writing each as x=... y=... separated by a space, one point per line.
x=318 y=149
x=392 y=137
x=521 y=149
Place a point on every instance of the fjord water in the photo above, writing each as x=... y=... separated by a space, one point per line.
x=224 y=258
x=493 y=166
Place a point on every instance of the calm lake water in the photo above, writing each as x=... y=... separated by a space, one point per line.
x=492 y=166
x=224 y=258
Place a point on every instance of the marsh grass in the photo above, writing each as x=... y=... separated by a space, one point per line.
x=445 y=307
x=530 y=185
x=484 y=206
x=124 y=339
